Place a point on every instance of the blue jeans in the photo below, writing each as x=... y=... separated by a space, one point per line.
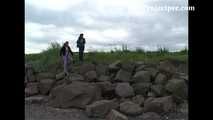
x=65 y=60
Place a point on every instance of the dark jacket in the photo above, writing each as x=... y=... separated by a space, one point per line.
x=80 y=44
x=63 y=51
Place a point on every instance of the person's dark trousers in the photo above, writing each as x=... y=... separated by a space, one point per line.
x=81 y=53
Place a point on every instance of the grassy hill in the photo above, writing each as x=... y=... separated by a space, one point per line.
x=50 y=57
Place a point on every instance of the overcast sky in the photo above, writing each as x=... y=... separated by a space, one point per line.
x=106 y=24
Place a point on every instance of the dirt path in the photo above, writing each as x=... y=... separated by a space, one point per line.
x=42 y=112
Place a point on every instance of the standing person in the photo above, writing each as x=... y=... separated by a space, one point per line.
x=81 y=44
x=65 y=52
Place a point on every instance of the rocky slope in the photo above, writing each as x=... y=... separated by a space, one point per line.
x=116 y=91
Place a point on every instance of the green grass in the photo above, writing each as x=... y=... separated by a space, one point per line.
x=49 y=59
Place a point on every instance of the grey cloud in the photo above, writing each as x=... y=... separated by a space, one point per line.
x=143 y=31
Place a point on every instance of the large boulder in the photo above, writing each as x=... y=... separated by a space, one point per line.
x=178 y=88
x=45 y=75
x=161 y=79
x=31 y=89
x=91 y=76
x=130 y=108
x=123 y=76
x=152 y=70
x=167 y=67
x=138 y=99
x=114 y=67
x=141 y=88
x=159 y=90
x=150 y=116
x=45 y=86
x=86 y=67
x=160 y=105
x=77 y=95
x=124 y=90
x=101 y=108
x=142 y=76
x=115 y=115
x=101 y=69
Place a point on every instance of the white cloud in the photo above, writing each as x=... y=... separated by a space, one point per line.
x=55 y=5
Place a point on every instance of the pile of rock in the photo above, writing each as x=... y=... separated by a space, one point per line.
x=114 y=91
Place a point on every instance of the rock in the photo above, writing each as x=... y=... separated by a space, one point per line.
x=150 y=116
x=114 y=67
x=101 y=69
x=128 y=67
x=167 y=67
x=45 y=75
x=140 y=68
x=76 y=95
x=103 y=78
x=45 y=86
x=130 y=108
x=60 y=76
x=123 y=76
x=141 y=88
x=148 y=100
x=124 y=90
x=178 y=88
x=106 y=86
x=158 y=90
x=86 y=67
x=138 y=99
x=161 y=79
x=31 y=89
x=101 y=108
x=153 y=71
x=76 y=77
x=91 y=76
x=159 y=105
x=142 y=76
x=107 y=89
x=35 y=100
x=115 y=115
x=183 y=68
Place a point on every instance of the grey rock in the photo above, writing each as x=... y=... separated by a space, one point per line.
x=77 y=95
x=130 y=108
x=101 y=108
x=138 y=99
x=160 y=105
x=141 y=88
x=91 y=76
x=45 y=86
x=115 y=115
x=142 y=76
x=178 y=88
x=123 y=76
x=124 y=90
